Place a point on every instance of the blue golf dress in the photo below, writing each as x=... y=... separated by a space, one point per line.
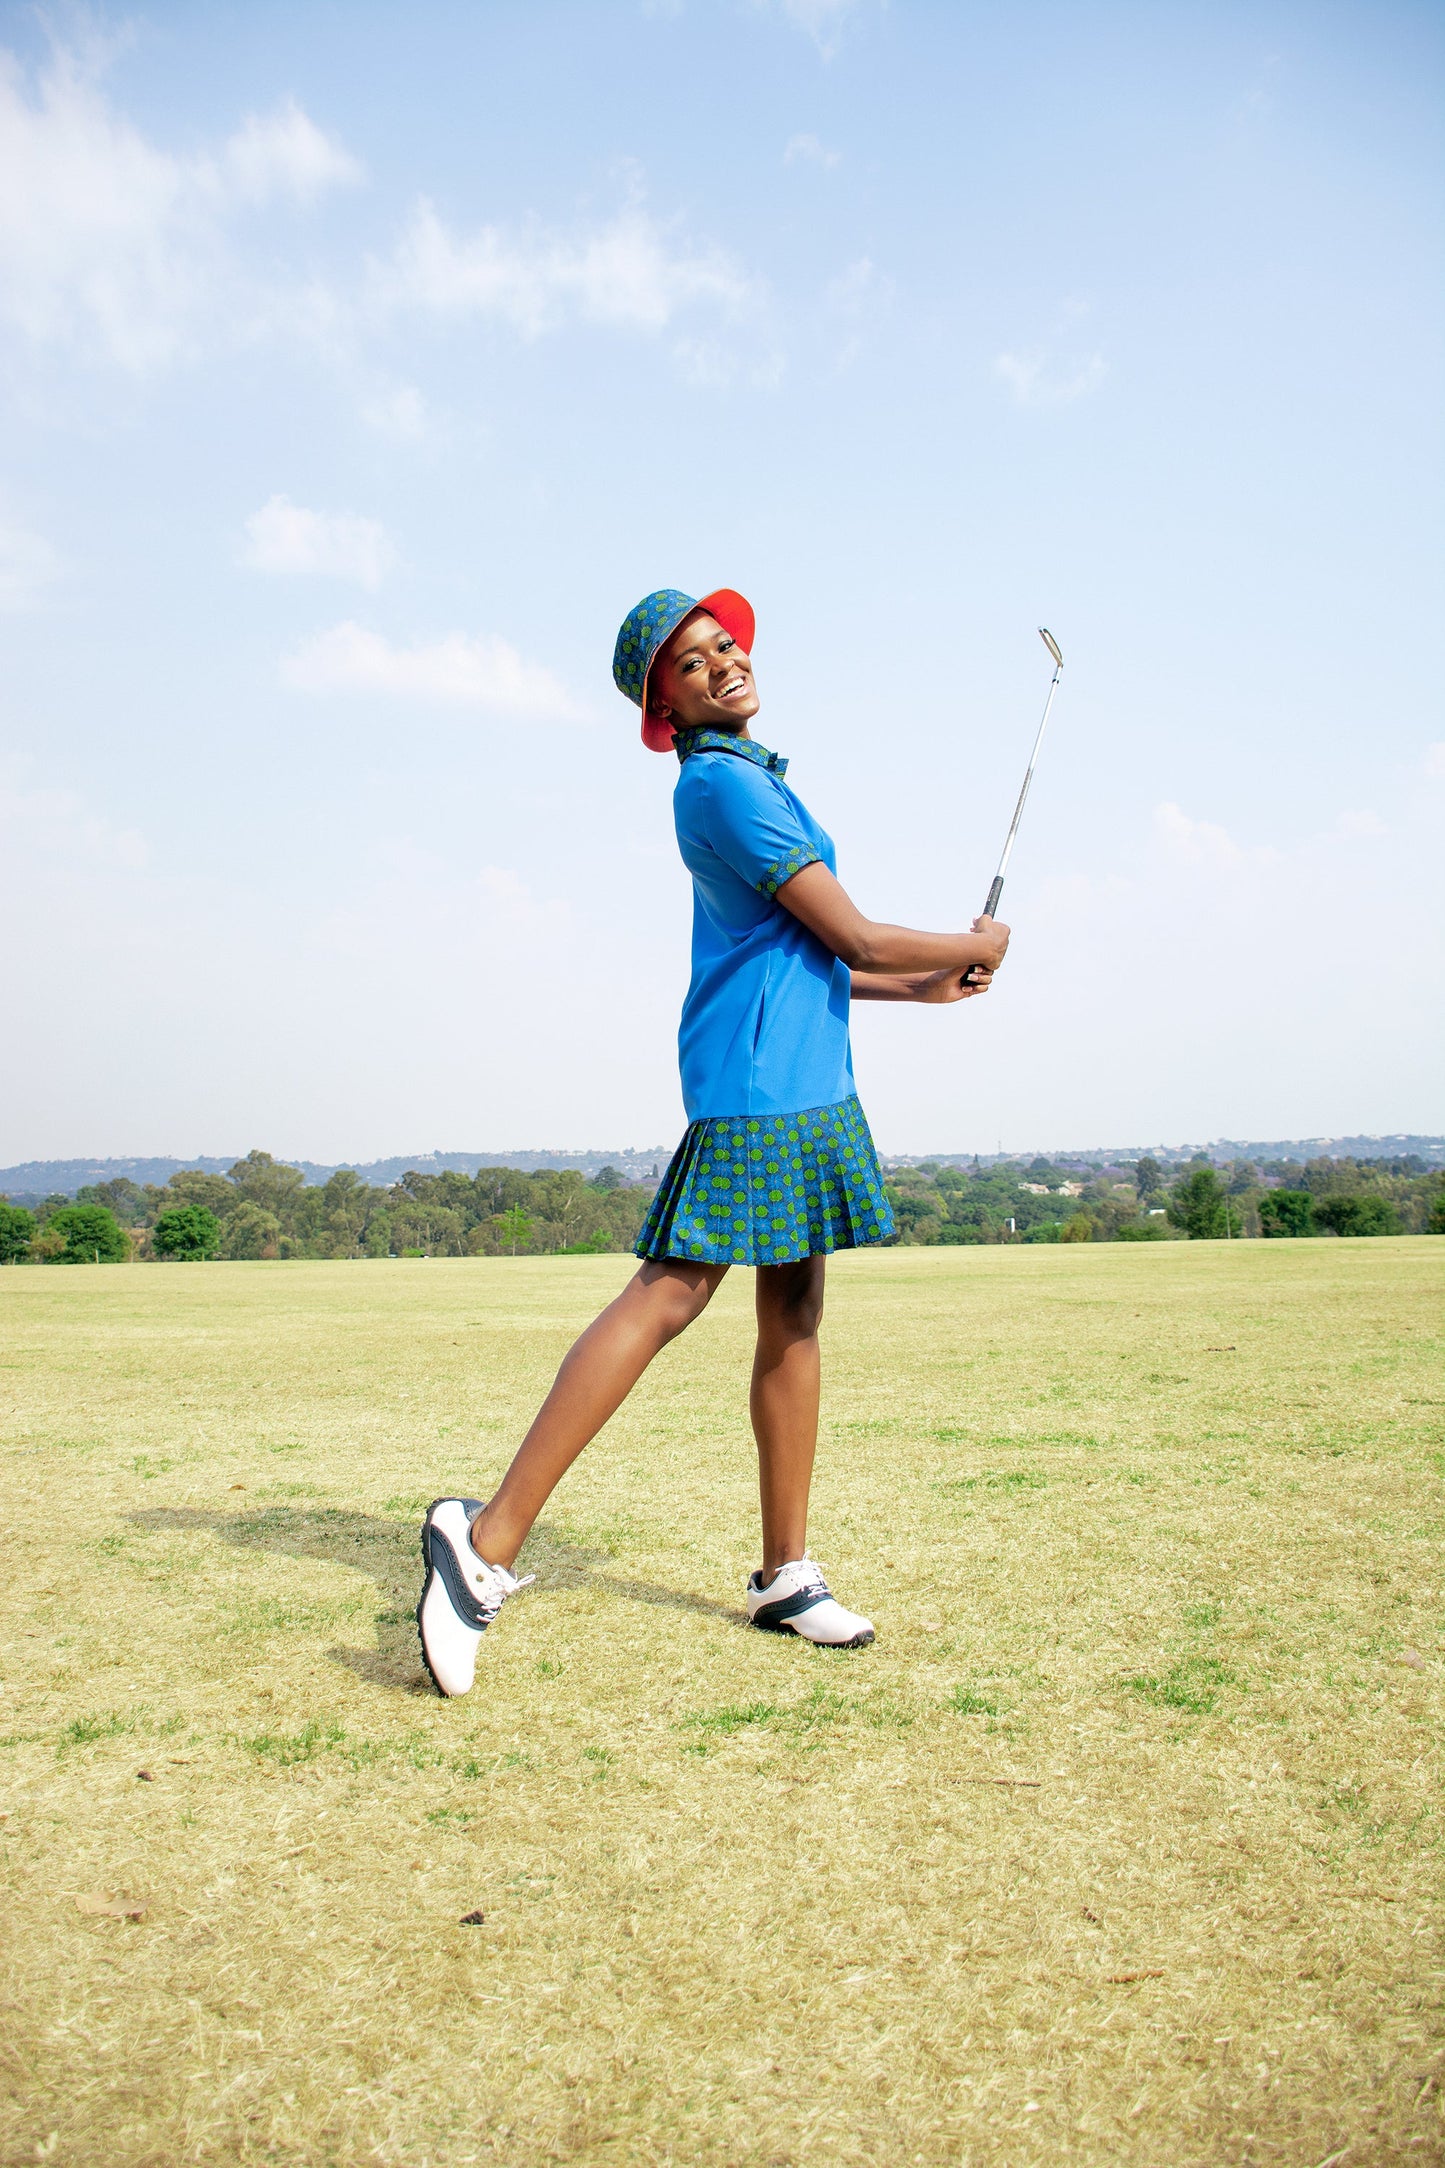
x=777 y=1162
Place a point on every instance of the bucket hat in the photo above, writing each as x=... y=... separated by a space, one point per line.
x=649 y=626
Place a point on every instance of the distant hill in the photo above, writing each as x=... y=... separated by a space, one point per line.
x=1221 y=1151
x=36 y=1178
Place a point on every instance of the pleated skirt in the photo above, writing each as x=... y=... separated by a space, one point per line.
x=768 y=1189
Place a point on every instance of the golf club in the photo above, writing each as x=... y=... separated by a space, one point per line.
x=996 y=890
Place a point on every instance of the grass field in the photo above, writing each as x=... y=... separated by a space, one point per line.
x=1122 y=1845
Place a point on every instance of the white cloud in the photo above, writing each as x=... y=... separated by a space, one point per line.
x=1189 y=842
x=625 y=273
x=112 y=244
x=400 y=413
x=808 y=148
x=116 y=247
x=1434 y=761
x=27 y=565
x=284 y=154
x=460 y=670
x=54 y=827
x=1201 y=842
x=1197 y=843
x=1035 y=380
x=285 y=537
x=856 y=289
x=822 y=20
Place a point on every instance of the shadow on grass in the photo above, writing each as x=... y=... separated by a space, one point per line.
x=390 y=1553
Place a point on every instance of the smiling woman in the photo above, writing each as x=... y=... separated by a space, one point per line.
x=777 y=1168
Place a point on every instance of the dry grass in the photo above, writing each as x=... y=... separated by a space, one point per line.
x=1123 y=1844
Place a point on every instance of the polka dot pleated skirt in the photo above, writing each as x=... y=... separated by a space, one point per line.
x=767 y=1189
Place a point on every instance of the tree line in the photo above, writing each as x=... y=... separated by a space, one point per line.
x=264 y=1208
x=1143 y=1202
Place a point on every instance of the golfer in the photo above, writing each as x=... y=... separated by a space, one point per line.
x=777 y=1166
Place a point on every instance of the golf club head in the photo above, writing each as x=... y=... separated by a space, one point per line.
x=1052 y=645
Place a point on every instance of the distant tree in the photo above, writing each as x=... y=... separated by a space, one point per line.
x=250 y=1232
x=1197 y=1204
x=1333 y=1177
x=1141 y=1230
x=607 y=1178
x=267 y=1182
x=191 y=1186
x=1078 y=1228
x=917 y=1211
x=122 y=1197
x=432 y=1229
x=1287 y=1212
x=516 y=1227
x=342 y=1210
x=1435 y=1225
x=90 y=1234
x=190 y=1231
x=16 y=1228
x=969 y=1219
x=1357 y=1215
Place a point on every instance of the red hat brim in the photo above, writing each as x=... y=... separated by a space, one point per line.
x=736 y=616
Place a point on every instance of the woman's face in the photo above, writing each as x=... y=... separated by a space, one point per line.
x=702 y=680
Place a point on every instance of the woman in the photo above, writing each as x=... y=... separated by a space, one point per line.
x=777 y=1166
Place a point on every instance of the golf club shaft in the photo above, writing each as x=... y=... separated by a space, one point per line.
x=996 y=890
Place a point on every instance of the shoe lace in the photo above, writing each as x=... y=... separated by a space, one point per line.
x=493 y=1591
x=813 y=1575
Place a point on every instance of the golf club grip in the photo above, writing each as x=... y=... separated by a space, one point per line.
x=991 y=907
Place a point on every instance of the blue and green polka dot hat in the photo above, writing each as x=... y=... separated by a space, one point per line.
x=650 y=625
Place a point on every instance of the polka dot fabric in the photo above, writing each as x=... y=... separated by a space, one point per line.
x=768 y=1189
x=644 y=629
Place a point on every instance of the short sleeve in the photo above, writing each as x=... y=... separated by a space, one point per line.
x=753 y=827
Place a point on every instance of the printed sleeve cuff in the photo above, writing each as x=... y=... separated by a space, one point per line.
x=783 y=869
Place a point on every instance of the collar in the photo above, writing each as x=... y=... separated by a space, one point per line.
x=719 y=741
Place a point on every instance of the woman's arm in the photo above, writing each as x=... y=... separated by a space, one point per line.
x=894 y=963
x=921 y=985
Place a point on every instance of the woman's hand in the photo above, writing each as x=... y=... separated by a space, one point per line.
x=998 y=935
x=955 y=985
x=952 y=985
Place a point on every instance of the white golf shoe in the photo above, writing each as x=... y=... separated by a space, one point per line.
x=799 y=1601
x=460 y=1597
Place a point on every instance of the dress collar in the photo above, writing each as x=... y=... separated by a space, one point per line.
x=719 y=741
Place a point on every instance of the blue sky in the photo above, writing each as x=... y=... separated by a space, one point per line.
x=363 y=364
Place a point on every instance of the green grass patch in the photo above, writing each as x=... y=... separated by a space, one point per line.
x=287 y=1748
x=85 y=1730
x=1193 y=1684
x=968 y=1701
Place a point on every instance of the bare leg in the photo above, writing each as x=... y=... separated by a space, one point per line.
x=784 y=1403
x=596 y=1376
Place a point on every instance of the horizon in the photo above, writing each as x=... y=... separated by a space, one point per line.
x=82 y=1171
